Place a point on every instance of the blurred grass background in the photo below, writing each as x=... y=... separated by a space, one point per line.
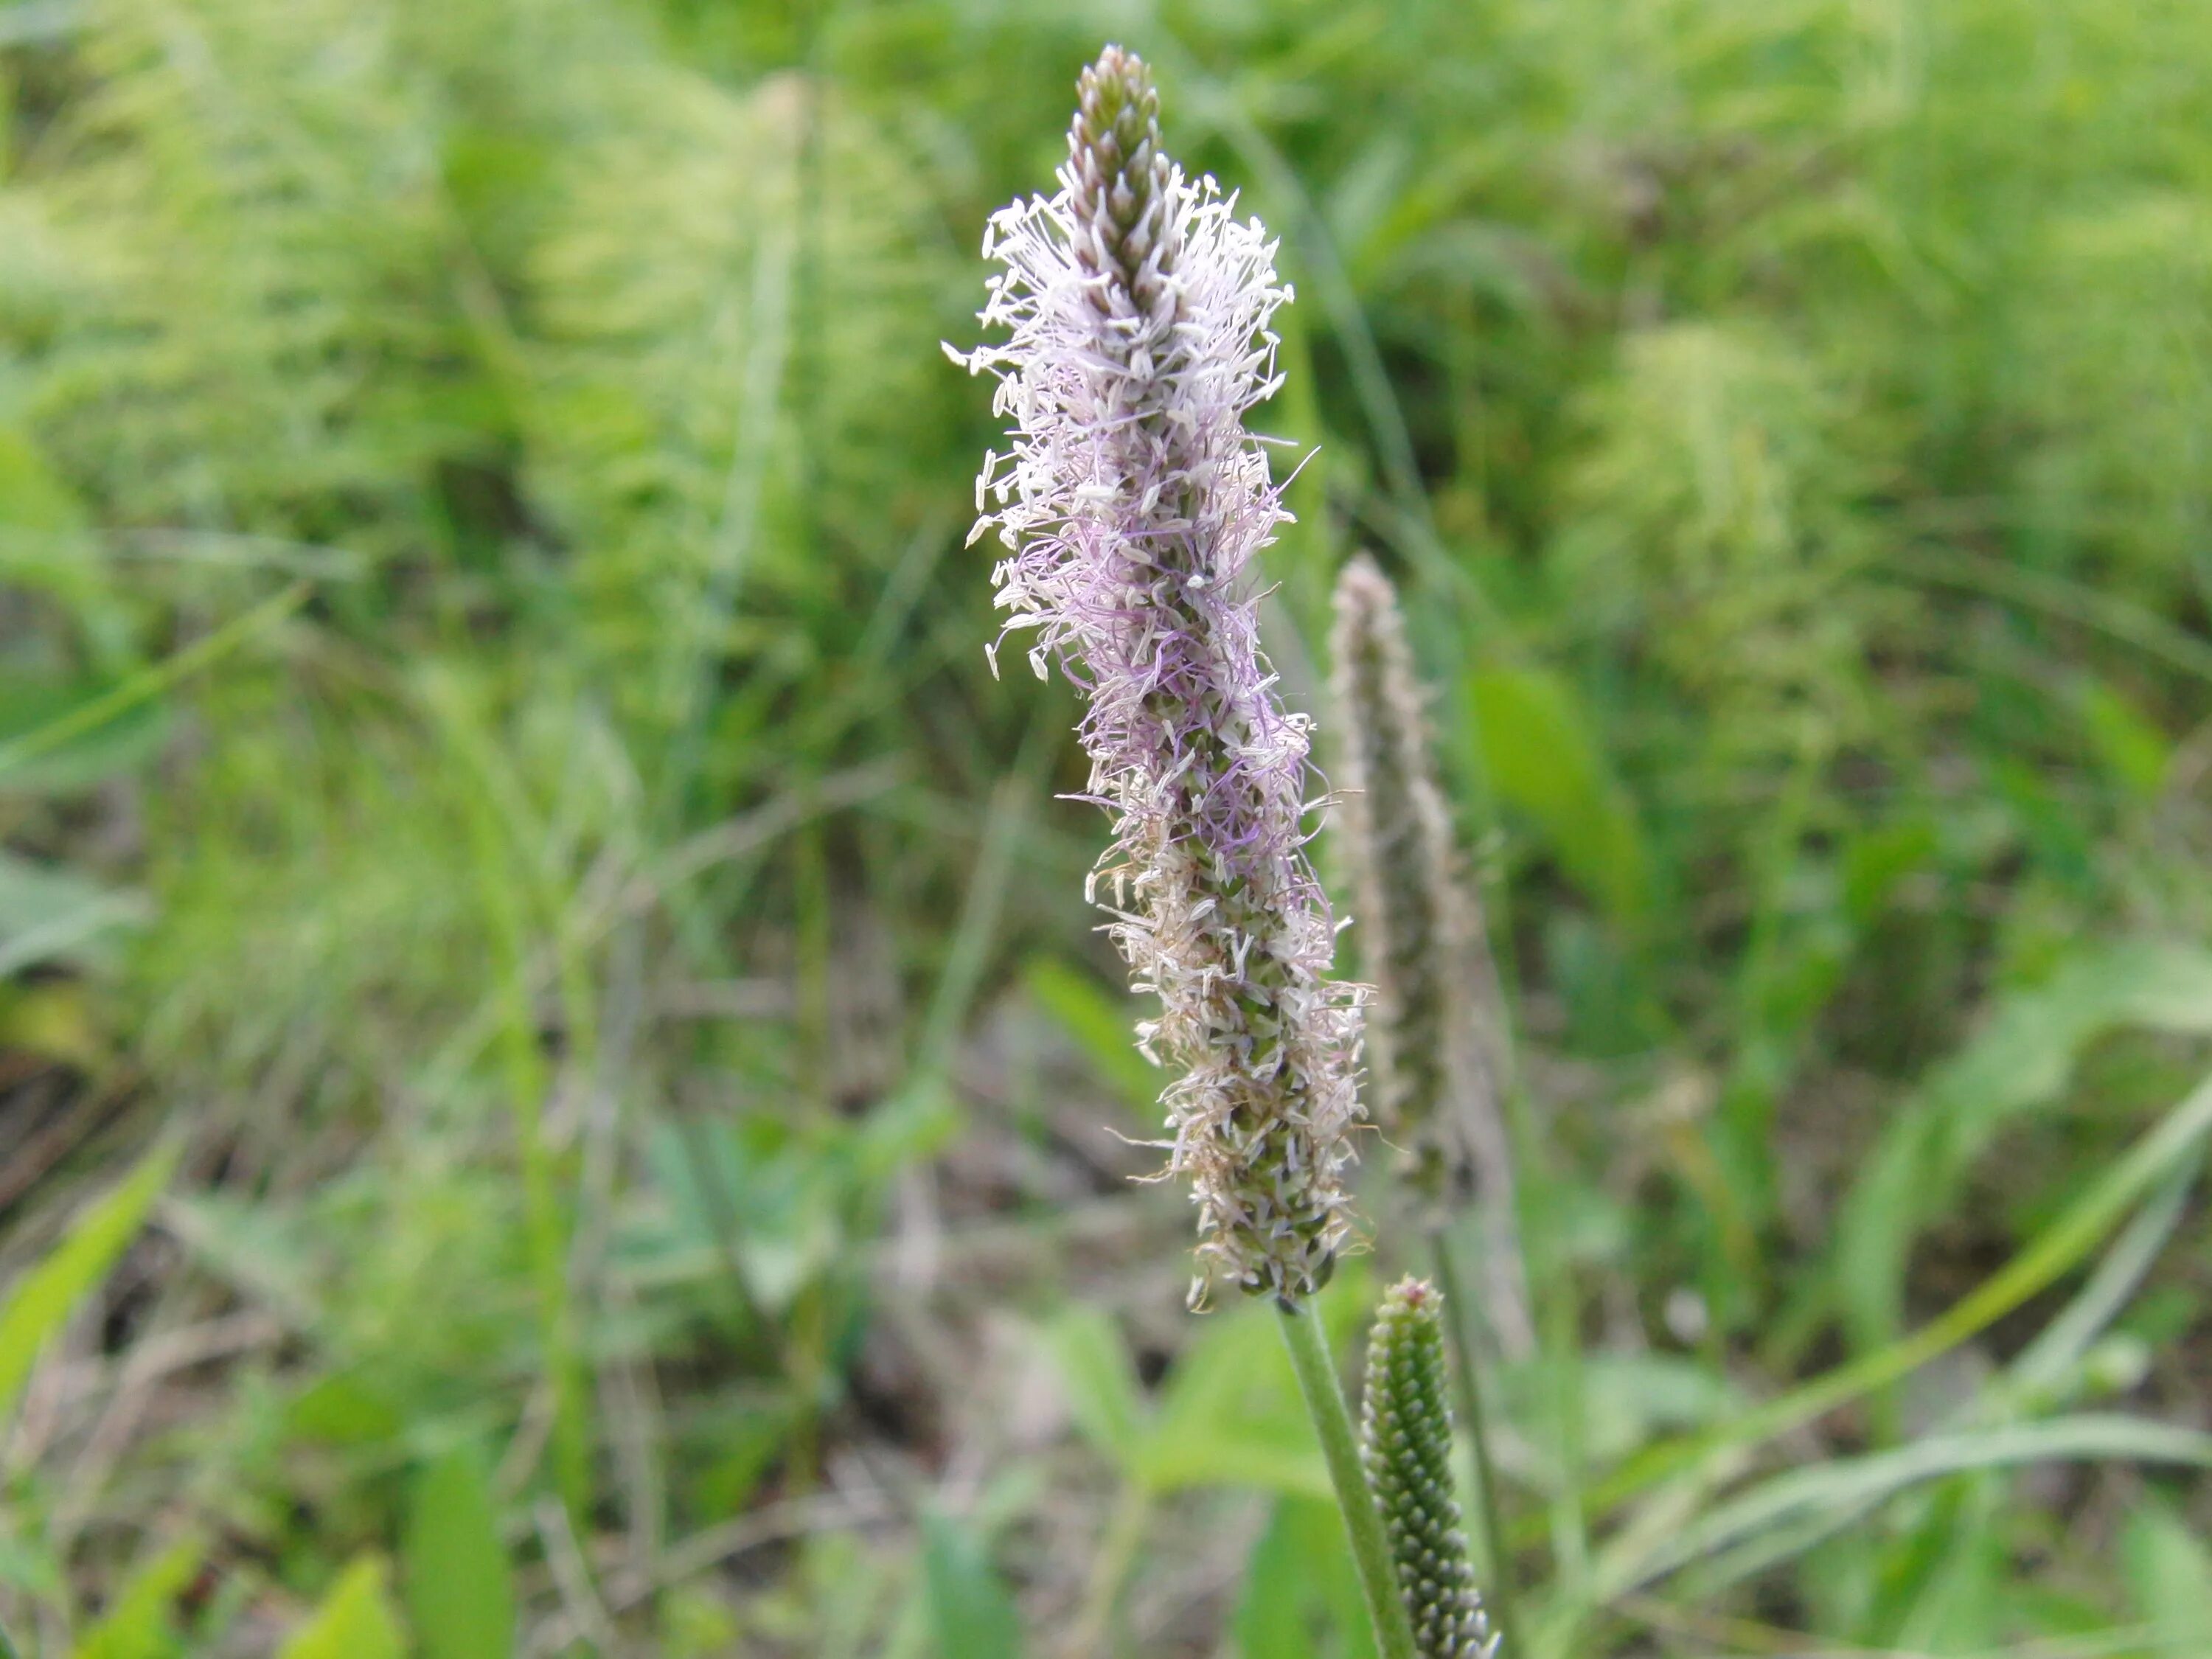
x=560 y=1093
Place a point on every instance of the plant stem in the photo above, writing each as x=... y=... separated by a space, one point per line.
x=1331 y=1420
x=147 y=683
x=544 y=1232
x=1459 y=1331
x=1558 y=1319
x=1117 y=1553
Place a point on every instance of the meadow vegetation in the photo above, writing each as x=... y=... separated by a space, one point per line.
x=558 y=1091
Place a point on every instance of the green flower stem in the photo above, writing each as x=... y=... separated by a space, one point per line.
x=1339 y=1445
x=1499 y=1594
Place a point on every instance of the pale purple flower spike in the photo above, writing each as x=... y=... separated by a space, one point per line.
x=1137 y=306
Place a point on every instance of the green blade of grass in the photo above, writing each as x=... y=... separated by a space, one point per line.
x=1844 y=1488
x=502 y=896
x=2061 y=1344
x=971 y=1614
x=459 y=1584
x=149 y=682
x=2060 y=1248
x=137 y=1622
x=2054 y=596
x=51 y=1291
x=354 y=1620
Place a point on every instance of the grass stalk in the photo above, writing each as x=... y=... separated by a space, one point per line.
x=149 y=682
x=546 y=1241
x=523 y=1063
x=2054 y=1252
x=1117 y=1555
x=1459 y=1331
x=1339 y=1445
x=1558 y=1338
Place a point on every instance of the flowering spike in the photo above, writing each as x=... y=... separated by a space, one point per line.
x=1137 y=306
x=1406 y=1448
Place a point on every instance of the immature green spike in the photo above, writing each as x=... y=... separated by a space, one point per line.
x=1407 y=1449
x=1119 y=173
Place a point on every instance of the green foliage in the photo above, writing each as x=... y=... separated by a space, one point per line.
x=37 y=1306
x=140 y=1623
x=2019 y=1061
x=969 y=1612
x=56 y=916
x=1542 y=760
x=1101 y=1387
x=354 y=1620
x=2169 y=1576
x=496 y=757
x=1227 y=1415
x=1096 y=1020
x=461 y=1593
x=1301 y=1596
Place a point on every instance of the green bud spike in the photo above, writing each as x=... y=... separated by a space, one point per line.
x=1406 y=1448
x=1120 y=172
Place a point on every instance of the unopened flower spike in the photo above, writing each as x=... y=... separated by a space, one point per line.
x=1406 y=1446
x=1136 y=305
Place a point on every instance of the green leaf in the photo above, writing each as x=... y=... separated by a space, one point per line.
x=2169 y=1574
x=1544 y=761
x=117 y=745
x=345 y=1409
x=53 y=1019
x=354 y=1621
x=2055 y=1251
x=459 y=1586
x=1959 y=1604
x=747 y=1441
x=2025 y=1054
x=1629 y=1399
x=1825 y=1496
x=1100 y=1022
x=2063 y=1356
x=43 y=1302
x=28 y=1570
x=2021 y=1060
x=971 y=1614
x=20 y=751
x=1102 y=1390
x=137 y=1625
x=2134 y=751
x=56 y=916
x=1301 y=1597
x=32 y=496
x=1875 y=861
x=1230 y=1415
